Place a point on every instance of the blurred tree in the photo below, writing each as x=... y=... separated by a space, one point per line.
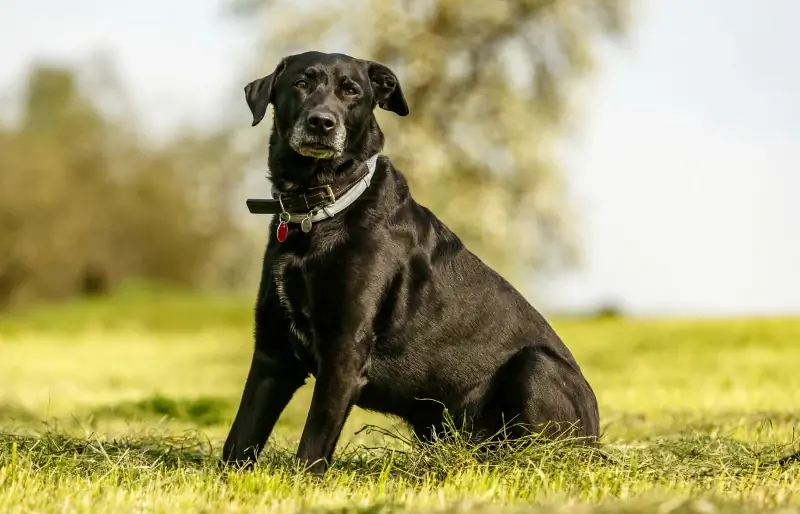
x=86 y=203
x=487 y=82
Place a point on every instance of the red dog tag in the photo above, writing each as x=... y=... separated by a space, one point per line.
x=282 y=232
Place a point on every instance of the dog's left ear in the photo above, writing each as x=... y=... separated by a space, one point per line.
x=258 y=93
x=386 y=88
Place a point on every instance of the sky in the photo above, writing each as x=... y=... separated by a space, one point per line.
x=684 y=171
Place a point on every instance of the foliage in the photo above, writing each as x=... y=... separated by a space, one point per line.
x=86 y=202
x=488 y=85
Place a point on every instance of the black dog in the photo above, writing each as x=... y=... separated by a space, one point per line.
x=381 y=302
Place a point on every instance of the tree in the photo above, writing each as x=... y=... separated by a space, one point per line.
x=488 y=83
x=86 y=203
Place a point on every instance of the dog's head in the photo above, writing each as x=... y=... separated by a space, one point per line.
x=323 y=103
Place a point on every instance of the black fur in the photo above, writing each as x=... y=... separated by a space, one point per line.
x=382 y=303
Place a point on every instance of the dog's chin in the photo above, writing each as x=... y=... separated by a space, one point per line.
x=316 y=150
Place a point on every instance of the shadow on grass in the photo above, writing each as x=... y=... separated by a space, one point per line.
x=203 y=411
x=17 y=415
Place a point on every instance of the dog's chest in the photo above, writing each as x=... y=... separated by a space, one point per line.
x=292 y=291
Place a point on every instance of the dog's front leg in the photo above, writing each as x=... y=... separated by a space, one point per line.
x=275 y=375
x=270 y=386
x=338 y=385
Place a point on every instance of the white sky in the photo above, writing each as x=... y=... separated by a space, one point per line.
x=685 y=172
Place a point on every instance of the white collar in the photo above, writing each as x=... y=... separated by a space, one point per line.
x=343 y=201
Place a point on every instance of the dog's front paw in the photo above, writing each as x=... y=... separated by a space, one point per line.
x=236 y=465
x=240 y=457
x=316 y=467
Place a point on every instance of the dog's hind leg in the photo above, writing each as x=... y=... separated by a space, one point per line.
x=541 y=391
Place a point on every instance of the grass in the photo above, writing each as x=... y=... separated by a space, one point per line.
x=122 y=404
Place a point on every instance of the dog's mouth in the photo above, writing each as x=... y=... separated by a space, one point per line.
x=316 y=150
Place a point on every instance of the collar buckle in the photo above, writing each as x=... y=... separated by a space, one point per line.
x=328 y=190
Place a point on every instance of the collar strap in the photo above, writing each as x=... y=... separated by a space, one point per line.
x=316 y=203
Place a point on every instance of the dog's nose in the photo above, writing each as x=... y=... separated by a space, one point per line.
x=321 y=122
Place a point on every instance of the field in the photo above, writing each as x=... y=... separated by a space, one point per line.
x=122 y=404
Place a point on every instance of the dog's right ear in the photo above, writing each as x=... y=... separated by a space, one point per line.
x=258 y=93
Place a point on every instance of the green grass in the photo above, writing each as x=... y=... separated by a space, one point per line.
x=122 y=404
x=138 y=306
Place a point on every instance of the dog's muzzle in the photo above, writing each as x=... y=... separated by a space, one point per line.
x=320 y=135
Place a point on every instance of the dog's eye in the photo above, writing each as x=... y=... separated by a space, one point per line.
x=350 y=91
x=301 y=84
